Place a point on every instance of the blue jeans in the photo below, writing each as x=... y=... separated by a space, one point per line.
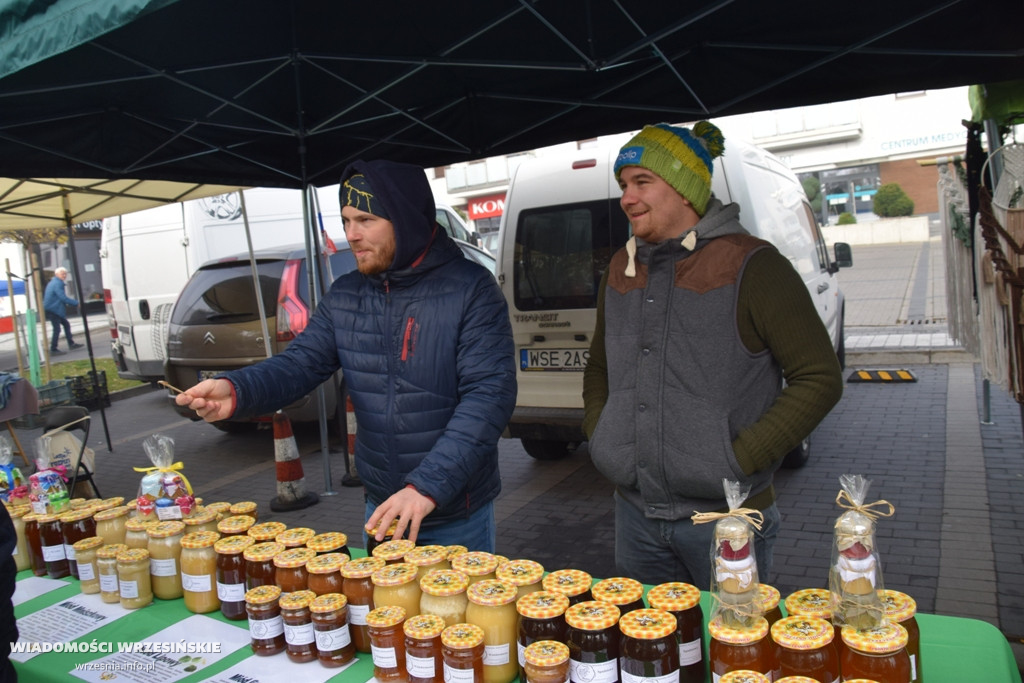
x=58 y=321
x=657 y=551
x=476 y=532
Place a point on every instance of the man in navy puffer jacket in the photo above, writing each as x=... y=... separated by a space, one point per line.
x=423 y=337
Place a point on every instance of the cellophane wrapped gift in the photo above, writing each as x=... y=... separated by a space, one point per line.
x=164 y=492
x=48 y=493
x=12 y=483
x=855 y=576
x=734 y=580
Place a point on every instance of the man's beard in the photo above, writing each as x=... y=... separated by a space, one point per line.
x=379 y=262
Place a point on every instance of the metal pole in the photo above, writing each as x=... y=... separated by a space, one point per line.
x=986 y=402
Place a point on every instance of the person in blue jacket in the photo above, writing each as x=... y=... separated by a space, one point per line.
x=423 y=337
x=55 y=302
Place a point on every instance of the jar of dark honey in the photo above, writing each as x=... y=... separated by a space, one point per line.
x=324 y=573
x=231 y=575
x=626 y=594
x=330 y=542
x=236 y=525
x=650 y=650
x=266 y=627
x=541 y=617
x=806 y=648
x=357 y=585
x=573 y=583
x=423 y=660
x=330 y=625
x=388 y=643
x=594 y=641
x=265 y=532
x=52 y=543
x=901 y=609
x=76 y=525
x=462 y=647
x=741 y=648
x=878 y=654
x=299 y=635
x=682 y=600
x=290 y=568
x=259 y=564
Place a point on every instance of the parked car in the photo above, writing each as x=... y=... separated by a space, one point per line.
x=215 y=324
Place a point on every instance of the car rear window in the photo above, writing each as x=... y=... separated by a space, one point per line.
x=223 y=293
x=562 y=251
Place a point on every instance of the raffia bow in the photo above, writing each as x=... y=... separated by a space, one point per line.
x=753 y=517
x=844 y=501
x=176 y=467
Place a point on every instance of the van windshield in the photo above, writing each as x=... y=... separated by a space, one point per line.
x=562 y=251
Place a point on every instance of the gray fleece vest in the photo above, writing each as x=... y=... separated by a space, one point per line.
x=681 y=385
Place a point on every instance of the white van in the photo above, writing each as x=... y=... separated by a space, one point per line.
x=561 y=225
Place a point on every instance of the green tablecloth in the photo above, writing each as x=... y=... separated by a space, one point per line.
x=953 y=649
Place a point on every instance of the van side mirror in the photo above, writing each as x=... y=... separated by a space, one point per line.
x=844 y=255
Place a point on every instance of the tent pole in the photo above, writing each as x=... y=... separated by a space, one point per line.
x=315 y=293
x=14 y=318
x=85 y=318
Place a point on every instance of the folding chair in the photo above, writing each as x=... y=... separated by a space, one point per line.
x=65 y=418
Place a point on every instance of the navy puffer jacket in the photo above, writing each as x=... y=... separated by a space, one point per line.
x=427 y=354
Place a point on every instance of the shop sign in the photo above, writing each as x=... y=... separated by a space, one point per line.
x=486 y=207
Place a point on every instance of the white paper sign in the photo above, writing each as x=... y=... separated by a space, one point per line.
x=33 y=587
x=160 y=658
x=278 y=669
x=64 y=621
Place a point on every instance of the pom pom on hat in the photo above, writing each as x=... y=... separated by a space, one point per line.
x=681 y=157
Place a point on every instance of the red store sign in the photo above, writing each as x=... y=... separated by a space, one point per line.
x=486 y=207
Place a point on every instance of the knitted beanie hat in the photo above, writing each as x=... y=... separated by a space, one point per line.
x=356 y=191
x=681 y=157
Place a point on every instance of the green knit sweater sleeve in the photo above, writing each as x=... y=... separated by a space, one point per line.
x=775 y=312
x=595 y=376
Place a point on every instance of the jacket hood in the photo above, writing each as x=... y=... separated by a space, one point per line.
x=718 y=220
x=403 y=191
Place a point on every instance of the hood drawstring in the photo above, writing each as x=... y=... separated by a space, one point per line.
x=688 y=242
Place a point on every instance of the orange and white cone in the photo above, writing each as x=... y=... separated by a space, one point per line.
x=291 y=482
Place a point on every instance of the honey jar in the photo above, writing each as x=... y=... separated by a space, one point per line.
x=625 y=593
x=492 y=608
x=299 y=635
x=444 y=595
x=74 y=526
x=901 y=609
x=295 y=537
x=85 y=553
x=573 y=583
x=462 y=647
x=423 y=660
x=245 y=508
x=806 y=648
x=427 y=558
x=110 y=524
x=133 y=578
x=477 y=565
x=106 y=568
x=546 y=661
x=259 y=564
x=199 y=571
x=388 y=643
x=650 y=651
x=324 y=572
x=878 y=654
x=393 y=552
x=235 y=525
x=330 y=627
x=525 y=575
x=741 y=648
x=231 y=585
x=594 y=641
x=330 y=542
x=266 y=626
x=265 y=532
x=201 y=520
x=357 y=585
x=395 y=584
x=165 y=558
x=541 y=617
x=136 y=532
x=290 y=568
x=682 y=601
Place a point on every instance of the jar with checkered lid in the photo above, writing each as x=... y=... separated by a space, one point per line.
x=444 y=595
x=259 y=564
x=165 y=557
x=199 y=571
x=266 y=626
x=396 y=584
x=235 y=525
x=593 y=638
x=650 y=650
x=245 y=508
x=231 y=575
x=806 y=648
x=625 y=593
x=810 y=602
x=427 y=558
x=741 y=648
x=299 y=635
x=901 y=609
x=330 y=542
x=746 y=676
x=682 y=600
x=265 y=532
x=387 y=643
x=573 y=583
x=879 y=654
x=423 y=660
x=324 y=572
x=357 y=585
x=330 y=625
x=134 y=586
x=541 y=617
x=546 y=661
x=290 y=568
x=525 y=575
x=492 y=607
x=478 y=565
x=295 y=537
x=462 y=647
x=393 y=552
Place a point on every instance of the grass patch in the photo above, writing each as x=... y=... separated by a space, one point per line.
x=73 y=368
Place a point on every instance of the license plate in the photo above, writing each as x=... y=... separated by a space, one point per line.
x=571 y=360
x=209 y=374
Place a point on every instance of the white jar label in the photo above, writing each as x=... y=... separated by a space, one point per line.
x=86 y=571
x=520 y=649
x=598 y=672
x=357 y=614
x=163 y=567
x=335 y=639
x=53 y=553
x=196 y=583
x=265 y=629
x=457 y=675
x=231 y=592
x=690 y=653
x=384 y=657
x=667 y=678
x=299 y=635
x=496 y=655
x=129 y=589
x=69 y=551
x=169 y=512
x=108 y=583
x=421 y=667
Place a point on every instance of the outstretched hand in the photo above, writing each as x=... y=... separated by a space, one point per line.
x=409 y=506
x=211 y=399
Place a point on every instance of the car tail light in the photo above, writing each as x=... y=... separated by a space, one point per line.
x=292 y=313
x=111 y=319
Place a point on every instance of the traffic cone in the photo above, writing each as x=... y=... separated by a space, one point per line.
x=351 y=476
x=291 y=482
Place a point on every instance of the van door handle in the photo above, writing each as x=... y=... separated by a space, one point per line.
x=144 y=309
x=822 y=287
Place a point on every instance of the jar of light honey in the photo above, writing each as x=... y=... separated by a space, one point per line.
x=201 y=520
x=133 y=578
x=395 y=584
x=106 y=568
x=444 y=595
x=492 y=608
x=85 y=553
x=427 y=558
x=110 y=524
x=165 y=558
x=199 y=571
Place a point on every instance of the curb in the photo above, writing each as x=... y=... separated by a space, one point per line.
x=890 y=356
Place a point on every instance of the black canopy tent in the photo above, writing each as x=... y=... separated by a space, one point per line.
x=286 y=92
